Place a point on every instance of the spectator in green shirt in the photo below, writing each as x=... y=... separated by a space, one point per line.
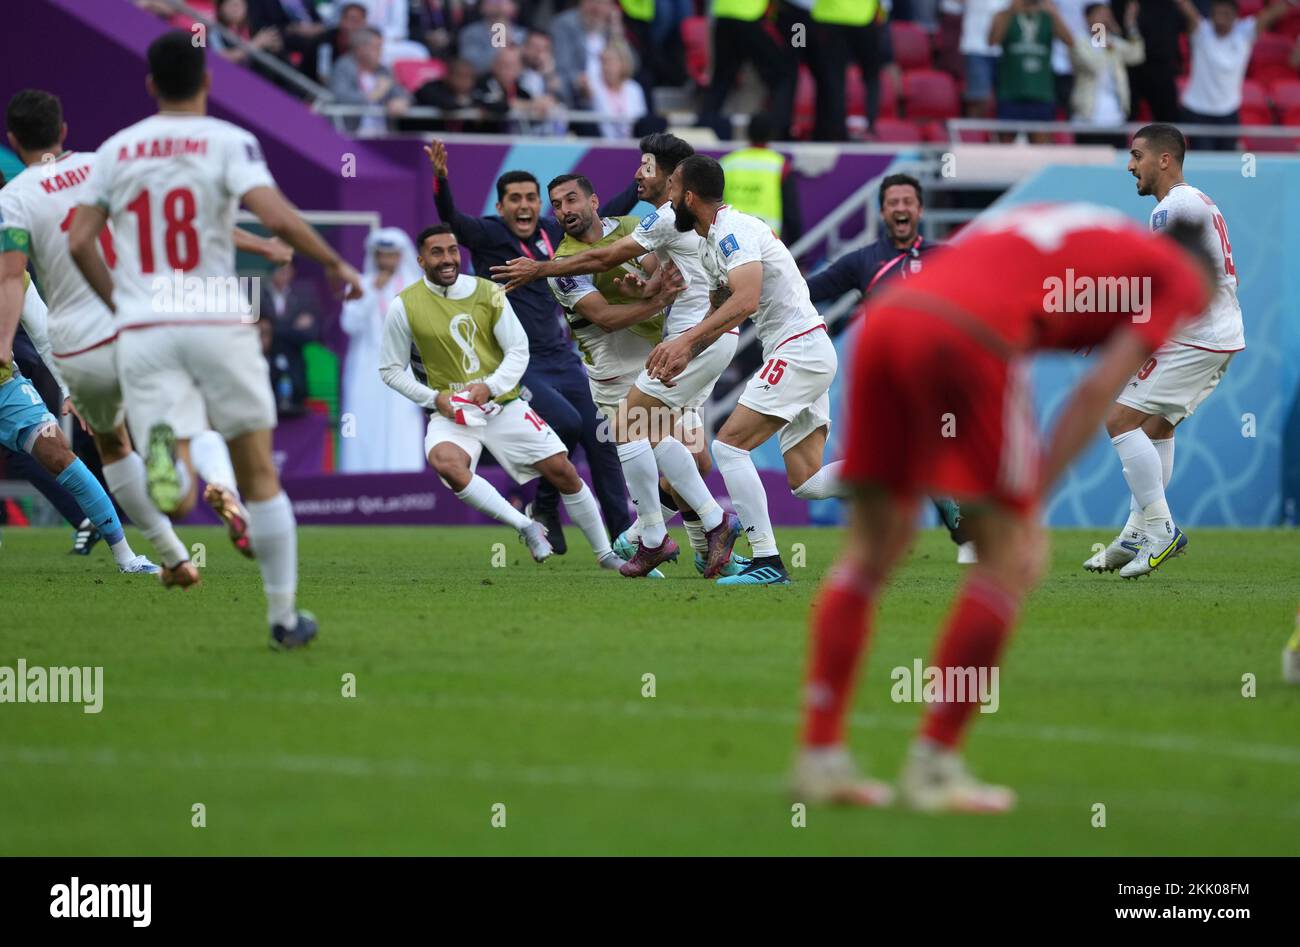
x=1026 y=90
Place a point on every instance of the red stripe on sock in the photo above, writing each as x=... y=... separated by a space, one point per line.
x=976 y=632
x=840 y=625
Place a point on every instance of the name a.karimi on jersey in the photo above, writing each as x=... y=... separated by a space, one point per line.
x=237 y=298
x=22 y=684
x=78 y=900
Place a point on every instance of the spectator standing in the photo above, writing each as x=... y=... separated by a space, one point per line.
x=337 y=40
x=440 y=22
x=387 y=431
x=846 y=31
x=580 y=36
x=1026 y=89
x=1155 y=80
x=1220 y=45
x=480 y=41
x=232 y=16
x=300 y=29
x=740 y=36
x=361 y=78
x=501 y=92
x=613 y=93
x=1063 y=74
x=393 y=20
x=979 y=56
x=760 y=182
x=292 y=311
x=1101 y=64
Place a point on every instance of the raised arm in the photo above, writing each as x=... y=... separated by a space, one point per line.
x=844 y=275
x=469 y=231
x=272 y=249
x=1265 y=18
x=611 y=317
x=1190 y=14
x=520 y=271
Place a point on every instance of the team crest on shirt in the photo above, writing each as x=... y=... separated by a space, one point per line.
x=1160 y=218
x=729 y=245
x=649 y=219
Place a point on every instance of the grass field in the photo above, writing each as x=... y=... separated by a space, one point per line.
x=522 y=686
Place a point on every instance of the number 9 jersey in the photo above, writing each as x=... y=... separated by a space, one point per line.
x=1220 y=327
x=171 y=185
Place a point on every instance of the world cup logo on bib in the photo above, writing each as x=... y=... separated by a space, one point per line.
x=463 y=332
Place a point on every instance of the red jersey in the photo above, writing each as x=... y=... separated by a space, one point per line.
x=1055 y=276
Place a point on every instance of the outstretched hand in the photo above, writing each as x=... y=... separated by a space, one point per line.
x=437 y=152
x=517 y=272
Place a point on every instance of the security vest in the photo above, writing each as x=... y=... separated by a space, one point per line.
x=643 y=10
x=747 y=10
x=754 y=183
x=845 y=12
x=455 y=337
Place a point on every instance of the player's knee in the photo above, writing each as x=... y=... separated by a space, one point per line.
x=448 y=462
x=113 y=445
x=52 y=451
x=561 y=472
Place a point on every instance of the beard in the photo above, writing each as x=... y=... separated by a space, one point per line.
x=434 y=274
x=683 y=219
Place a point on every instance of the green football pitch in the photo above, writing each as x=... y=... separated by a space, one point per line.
x=489 y=689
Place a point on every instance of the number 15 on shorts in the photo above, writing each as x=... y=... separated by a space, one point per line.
x=772 y=371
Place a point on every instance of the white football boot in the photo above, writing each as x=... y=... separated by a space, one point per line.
x=966 y=554
x=1120 y=552
x=534 y=537
x=829 y=775
x=936 y=780
x=1154 y=554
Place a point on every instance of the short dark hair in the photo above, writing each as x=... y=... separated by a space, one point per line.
x=431 y=231
x=1087 y=11
x=704 y=176
x=176 y=65
x=760 y=129
x=668 y=150
x=897 y=180
x=1165 y=138
x=35 y=117
x=353 y=3
x=516 y=177
x=581 y=181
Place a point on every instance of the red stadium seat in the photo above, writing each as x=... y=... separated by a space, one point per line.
x=1249 y=7
x=895 y=130
x=1291 y=116
x=855 y=94
x=934 y=132
x=413 y=73
x=1267 y=144
x=889 y=92
x=695 y=37
x=930 y=94
x=805 y=105
x=1269 y=59
x=911 y=46
x=1255 y=109
x=1285 y=93
x=1289 y=25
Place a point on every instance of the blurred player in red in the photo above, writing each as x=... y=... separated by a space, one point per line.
x=940 y=405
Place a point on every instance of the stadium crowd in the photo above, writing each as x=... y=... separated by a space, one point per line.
x=831 y=70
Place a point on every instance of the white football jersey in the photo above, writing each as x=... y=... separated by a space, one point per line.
x=1219 y=328
x=784 y=309
x=41 y=201
x=171 y=185
x=658 y=232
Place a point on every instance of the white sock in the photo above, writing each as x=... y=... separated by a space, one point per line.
x=1165 y=449
x=585 y=511
x=211 y=458
x=678 y=467
x=127 y=481
x=633 y=532
x=273 y=533
x=122 y=552
x=484 y=497
x=667 y=512
x=1143 y=473
x=825 y=483
x=747 y=496
x=642 y=477
x=696 y=534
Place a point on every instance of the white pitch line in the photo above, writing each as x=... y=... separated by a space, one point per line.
x=658 y=708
